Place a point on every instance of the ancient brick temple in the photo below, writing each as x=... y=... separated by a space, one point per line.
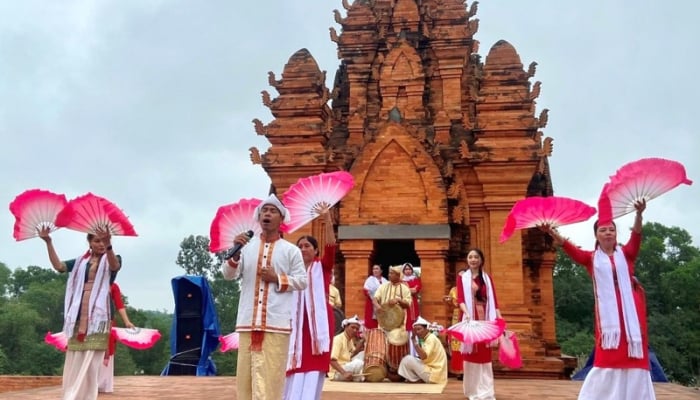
x=441 y=144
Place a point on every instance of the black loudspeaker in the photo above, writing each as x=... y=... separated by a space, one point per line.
x=190 y=328
x=188 y=300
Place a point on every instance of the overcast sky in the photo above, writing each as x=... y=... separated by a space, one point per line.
x=149 y=103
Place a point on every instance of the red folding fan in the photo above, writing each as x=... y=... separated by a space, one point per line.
x=230 y=221
x=476 y=331
x=136 y=338
x=229 y=342
x=89 y=213
x=644 y=179
x=304 y=196
x=57 y=340
x=554 y=211
x=34 y=210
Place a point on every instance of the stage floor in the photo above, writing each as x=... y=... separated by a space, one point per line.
x=224 y=388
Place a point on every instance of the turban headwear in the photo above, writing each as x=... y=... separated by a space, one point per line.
x=351 y=320
x=274 y=201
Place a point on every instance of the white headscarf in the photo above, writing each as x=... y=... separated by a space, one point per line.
x=273 y=200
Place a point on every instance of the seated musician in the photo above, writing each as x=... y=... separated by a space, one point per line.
x=347 y=354
x=430 y=364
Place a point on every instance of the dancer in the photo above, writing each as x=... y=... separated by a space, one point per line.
x=370 y=287
x=312 y=321
x=270 y=269
x=414 y=285
x=106 y=375
x=477 y=300
x=87 y=316
x=621 y=360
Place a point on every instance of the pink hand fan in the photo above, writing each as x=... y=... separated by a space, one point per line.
x=229 y=342
x=554 y=211
x=57 y=340
x=306 y=194
x=476 y=331
x=34 y=210
x=644 y=179
x=136 y=338
x=88 y=213
x=230 y=221
x=509 y=350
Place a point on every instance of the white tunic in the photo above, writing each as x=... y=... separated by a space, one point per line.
x=267 y=306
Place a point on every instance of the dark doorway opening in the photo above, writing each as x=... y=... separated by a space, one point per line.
x=394 y=252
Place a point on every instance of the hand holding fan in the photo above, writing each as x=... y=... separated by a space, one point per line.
x=90 y=213
x=230 y=221
x=35 y=210
x=554 y=211
x=57 y=340
x=476 y=331
x=644 y=179
x=136 y=338
x=304 y=197
x=229 y=342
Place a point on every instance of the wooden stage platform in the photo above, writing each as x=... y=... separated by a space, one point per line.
x=224 y=388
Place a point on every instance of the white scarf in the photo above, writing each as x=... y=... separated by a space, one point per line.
x=469 y=302
x=606 y=302
x=372 y=283
x=313 y=299
x=98 y=306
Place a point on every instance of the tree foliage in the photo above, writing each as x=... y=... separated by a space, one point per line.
x=668 y=267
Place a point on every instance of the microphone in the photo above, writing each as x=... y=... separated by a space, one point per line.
x=237 y=247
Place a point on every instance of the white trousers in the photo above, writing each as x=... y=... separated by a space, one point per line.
x=355 y=366
x=105 y=378
x=304 y=386
x=478 y=381
x=413 y=369
x=80 y=374
x=617 y=384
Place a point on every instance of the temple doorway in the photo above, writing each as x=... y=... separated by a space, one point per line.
x=394 y=252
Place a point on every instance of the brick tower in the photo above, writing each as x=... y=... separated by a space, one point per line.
x=441 y=145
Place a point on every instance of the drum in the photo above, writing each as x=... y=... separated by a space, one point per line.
x=375 y=351
x=397 y=347
x=391 y=317
x=339 y=317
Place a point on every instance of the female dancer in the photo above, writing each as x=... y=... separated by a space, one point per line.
x=477 y=300
x=87 y=316
x=415 y=286
x=312 y=322
x=621 y=361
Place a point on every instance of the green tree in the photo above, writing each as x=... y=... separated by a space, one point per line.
x=5 y=274
x=573 y=306
x=22 y=278
x=194 y=257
